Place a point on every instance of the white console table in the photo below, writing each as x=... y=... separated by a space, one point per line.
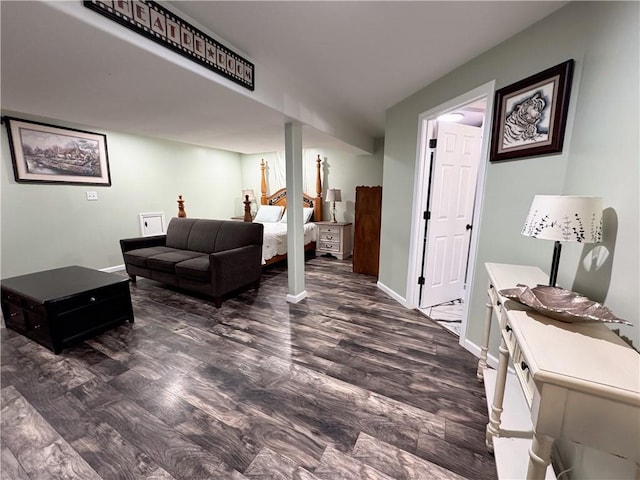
x=579 y=382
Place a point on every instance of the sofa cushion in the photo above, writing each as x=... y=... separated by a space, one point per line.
x=239 y=234
x=195 y=269
x=203 y=235
x=140 y=256
x=178 y=232
x=166 y=262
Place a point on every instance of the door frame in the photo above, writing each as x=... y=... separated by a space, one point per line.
x=426 y=121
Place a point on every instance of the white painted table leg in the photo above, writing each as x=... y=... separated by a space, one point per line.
x=539 y=457
x=484 y=346
x=493 y=427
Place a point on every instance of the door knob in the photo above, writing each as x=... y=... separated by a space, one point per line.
x=468 y=227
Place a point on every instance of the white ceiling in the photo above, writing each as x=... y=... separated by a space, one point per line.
x=352 y=60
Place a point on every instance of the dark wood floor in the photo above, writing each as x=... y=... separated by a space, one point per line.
x=347 y=384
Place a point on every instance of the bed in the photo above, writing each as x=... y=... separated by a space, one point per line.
x=274 y=248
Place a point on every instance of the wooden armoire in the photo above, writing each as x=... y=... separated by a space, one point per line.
x=366 y=230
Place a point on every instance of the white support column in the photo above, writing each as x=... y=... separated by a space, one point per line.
x=295 y=229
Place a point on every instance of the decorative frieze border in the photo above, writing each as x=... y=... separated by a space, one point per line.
x=148 y=18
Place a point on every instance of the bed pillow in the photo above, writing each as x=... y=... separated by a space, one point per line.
x=306 y=215
x=269 y=213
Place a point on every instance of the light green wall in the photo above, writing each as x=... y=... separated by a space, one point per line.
x=340 y=169
x=49 y=226
x=605 y=159
x=600 y=157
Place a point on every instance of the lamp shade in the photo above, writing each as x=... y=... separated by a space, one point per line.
x=565 y=218
x=252 y=195
x=334 y=195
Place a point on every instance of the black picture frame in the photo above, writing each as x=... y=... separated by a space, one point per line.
x=44 y=153
x=530 y=116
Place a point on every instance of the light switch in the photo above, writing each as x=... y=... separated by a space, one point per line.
x=92 y=195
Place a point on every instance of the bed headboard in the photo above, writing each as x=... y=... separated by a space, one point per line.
x=280 y=197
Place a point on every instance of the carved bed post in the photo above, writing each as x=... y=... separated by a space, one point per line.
x=263 y=184
x=317 y=204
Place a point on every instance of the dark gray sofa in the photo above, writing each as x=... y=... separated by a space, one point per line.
x=211 y=257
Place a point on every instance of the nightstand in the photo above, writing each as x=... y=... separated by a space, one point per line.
x=334 y=239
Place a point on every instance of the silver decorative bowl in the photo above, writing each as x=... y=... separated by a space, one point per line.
x=561 y=304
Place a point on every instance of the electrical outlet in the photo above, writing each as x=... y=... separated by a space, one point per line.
x=92 y=195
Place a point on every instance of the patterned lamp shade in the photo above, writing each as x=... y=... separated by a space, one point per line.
x=565 y=218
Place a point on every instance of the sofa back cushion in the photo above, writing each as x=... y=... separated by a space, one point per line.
x=178 y=232
x=203 y=235
x=209 y=236
x=239 y=234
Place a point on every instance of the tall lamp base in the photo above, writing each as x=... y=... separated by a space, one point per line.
x=555 y=262
x=247 y=209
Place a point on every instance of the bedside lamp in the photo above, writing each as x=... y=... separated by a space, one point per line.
x=334 y=195
x=564 y=218
x=249 y=196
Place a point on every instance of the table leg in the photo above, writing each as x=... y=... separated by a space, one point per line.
x=484 y=346
x=539 y=457
x=493 y=427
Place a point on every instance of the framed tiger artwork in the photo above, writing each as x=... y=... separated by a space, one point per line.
x=530 y=116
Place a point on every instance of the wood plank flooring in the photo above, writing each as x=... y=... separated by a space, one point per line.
x=347 y=384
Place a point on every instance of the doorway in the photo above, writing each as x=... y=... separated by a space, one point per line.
x=454 y=158
x=450 y=169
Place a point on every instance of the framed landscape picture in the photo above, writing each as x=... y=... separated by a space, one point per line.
x=530 y=116
x=49 y=154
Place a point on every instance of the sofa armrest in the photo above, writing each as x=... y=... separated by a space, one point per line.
x=235 y=268
x=127 y=244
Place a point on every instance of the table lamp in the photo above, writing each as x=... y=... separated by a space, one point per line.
x=248 y=196
x=564 y=218
x=334 y=195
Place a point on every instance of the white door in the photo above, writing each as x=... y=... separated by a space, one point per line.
x=451 y=205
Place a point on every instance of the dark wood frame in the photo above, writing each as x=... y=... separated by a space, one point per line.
x=70 y=165
x=554 y=87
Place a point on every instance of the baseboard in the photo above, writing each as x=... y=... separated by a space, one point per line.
x=117 y=268
x=297 y=298
x=402 y=301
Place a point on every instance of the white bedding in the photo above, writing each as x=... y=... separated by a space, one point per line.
x=275 y=238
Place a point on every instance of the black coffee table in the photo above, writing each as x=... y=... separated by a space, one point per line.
x=61 y=306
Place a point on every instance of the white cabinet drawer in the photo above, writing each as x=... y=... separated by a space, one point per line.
x=328 y=246
x=329 y=230
x=330 y=237
x=521 y=368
